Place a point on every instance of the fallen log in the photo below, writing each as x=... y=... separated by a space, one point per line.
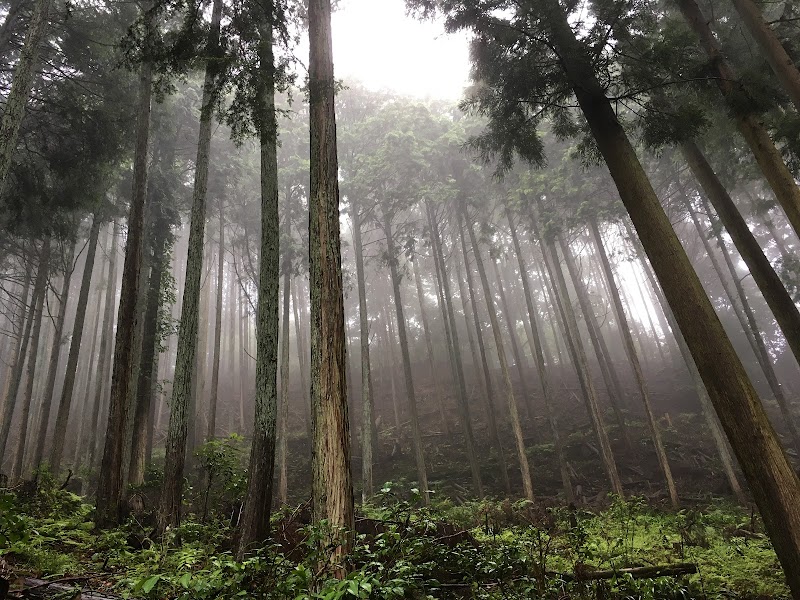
x=61 y=588
x=583 y=574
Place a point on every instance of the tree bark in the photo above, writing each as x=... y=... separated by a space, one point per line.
x=332 y=490
x=170 y=501
x=21 y=86
x=65 y=403
x=367 y=397
x=283 y=418
x=211 y=432
x=774 y=483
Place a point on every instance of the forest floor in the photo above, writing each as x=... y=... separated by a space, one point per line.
x=456 y=548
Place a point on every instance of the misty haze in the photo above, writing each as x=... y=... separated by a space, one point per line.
x=393 y=299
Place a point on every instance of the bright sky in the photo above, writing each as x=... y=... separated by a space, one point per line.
x=375 y=43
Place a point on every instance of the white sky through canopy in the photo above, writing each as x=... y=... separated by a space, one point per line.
x=377 y=44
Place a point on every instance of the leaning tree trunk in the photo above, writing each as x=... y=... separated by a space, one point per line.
x=633 y=357
x=749 y=124
x=170 y=502
x=416 y=432
x=109 y=488
x=332 y=490
x=768 y=281
x=55 y=355
x=367 y=397
x=23 y=328
x=544 y=375
x=67 y=390
x=563 y=306
x=211 y=432
x=39 y=293
x=254 y=523
x=522 y=456
x=24 y=73
x=774 y=483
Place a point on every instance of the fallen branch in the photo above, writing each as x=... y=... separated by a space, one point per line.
x=39 y=588
x=635 y=572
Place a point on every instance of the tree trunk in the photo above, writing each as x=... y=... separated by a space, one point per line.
x=633 y=357
x=332 y=489
x=39 y=293
x=170 y=502
x=774 y=483
x=367 y=397
x=747 y=121
x=416 y=433
x=55 y=355
x=283 y=418
x=778 y=299
x=598 y=343
x=23 y=328
x=65 y=403
x=303 y=363
x=254 y=523
x=109 y=488
x=513 y=410
x=211 y=432
x=544 y=375
x=24 y=74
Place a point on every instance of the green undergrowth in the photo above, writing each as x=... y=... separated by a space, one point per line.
x=487 y=549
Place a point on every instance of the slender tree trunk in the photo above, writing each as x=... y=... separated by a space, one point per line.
x=21 y=85
x=774 y=483
x=211 y=432
x=367 y=397
x=23 y=328
x=170 y=502
x=65 y=403
x=254 y=523
x=109 y=488
x=748 y=123
x=390 y=367
x=636 y=366
x=243 y=358
x=55 y=355
x=39 y=293
x=544 y=375
x=598 y=343
x=416 y=432
x=92 y=439
x=283 y=418
x=332 y=490
x=303 y=364
x=516 y=427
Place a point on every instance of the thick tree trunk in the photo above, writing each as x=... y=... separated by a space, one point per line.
x=748 y=123
x=39 y=293
x=416 y=432
x=65 y=403
x=24 y=73
x=544 y=375
x=522 y=456
x=636 y=366
x=170 y=502
x=332 y=489
x=367 y=397
x=23 y=329
x=143 y=423
x=211 y=431
x=109 y=488
x=774 y=483
x=55 y=355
